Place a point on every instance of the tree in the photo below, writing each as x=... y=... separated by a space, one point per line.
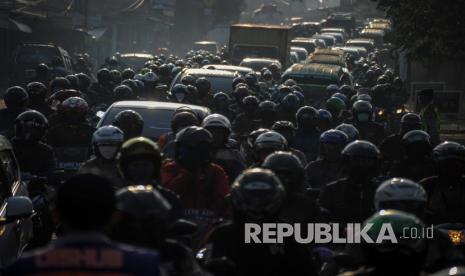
x=427 y=29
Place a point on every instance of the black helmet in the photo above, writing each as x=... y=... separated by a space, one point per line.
x=193 y=136
x=203 y=85
x=193 y=147
x=73 y=110
x=128 y=73
x=416 y=136
x=84 y=81
x=164 y=70
x=16 y=97
x=257 y=194
x=361 y=148
x=136 y=149
x=130 y=122
x=58 y=84
x=240 y=92
x=254 y=135
x=74 y=81
x=290 y=102
x=104 y=76
x=188 y=79
x=179 y=91
x=143 y=216
x=362 y=111
x=267 y=106
x=346 y=90
x=37 y=92
x=284 y=90
x=307 y=116
x=123 y=93
x=183 y=119
x=288 y=168
x=410 y=121
x=221 y=99
x=250 y=104
x=42 y=70
x=31 y=126
x=131 y=84
x=286 y=129
x=449 y=151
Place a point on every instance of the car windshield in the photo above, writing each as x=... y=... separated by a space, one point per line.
x=245 y=51
x=134 y=63
x=156 y=121
x=310 y=47
x=36 y=55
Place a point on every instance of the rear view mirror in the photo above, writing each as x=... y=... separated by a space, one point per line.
x=18 y=207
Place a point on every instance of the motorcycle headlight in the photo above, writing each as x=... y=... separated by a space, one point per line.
x=457 y=237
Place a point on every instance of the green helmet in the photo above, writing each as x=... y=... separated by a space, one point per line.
x=139 y=148
x=334 y=103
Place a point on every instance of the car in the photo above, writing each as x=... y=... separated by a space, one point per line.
x=327 y=59
x=330 y=41
x=308 y=44
x=157 y=115
x=135 y=61
x=376 y=34
x=315 y=77
x=257 y=64
x=368 y=44
x=16 y=208
x=349 y=51
x=355 y=51
x=210 y=46
x=220 y=80
x=301 y=53
x=26 y=57
x=339 y=38
x=335 y=30
x=231 y=68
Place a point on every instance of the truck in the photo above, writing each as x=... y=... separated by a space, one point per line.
x=259 y=41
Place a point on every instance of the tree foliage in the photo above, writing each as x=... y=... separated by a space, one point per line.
x=427 y=29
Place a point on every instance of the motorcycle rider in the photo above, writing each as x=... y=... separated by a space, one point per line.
x=201 y=184
x=446 y=190
x=130 y=122
x=37 y=93
x=268 y=114
x=267 y=143
x=229 y=158
x=106 y=144
x=307 y=134
x=351 y=131
x=16 y=101
x=417 y=162
x=123 y=93
x=288 y=131
x=179 y=121
x=391 y=147
x=362 y=160
x=85 y=205
x=204 y=95
x=42 y=74
x=362 y=113
x=288 y=107
x=324 y=120
x=221 y=105
x=248 y=120
x=257 y=196
x=329 y=166
x=103 y=88
x=335 y=106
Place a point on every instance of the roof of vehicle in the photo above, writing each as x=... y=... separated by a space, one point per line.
x=323 y=36
x=204 y=42
x=381 y=20
x=313 y=68
x=208 y=72
x=39 y=45
x=260 y=60
x=376 y=32
x=4 y=143
x=225 y=67
x=361 y=40
x=380 y=25
x=303 y=39
x=329 y=30
x=327 y=59
x=261 y=26
x=154 y=104
x=329 y=52
x=301 y=49
x=138 y=55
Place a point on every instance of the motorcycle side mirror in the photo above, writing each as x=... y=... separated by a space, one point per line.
x=18 y=207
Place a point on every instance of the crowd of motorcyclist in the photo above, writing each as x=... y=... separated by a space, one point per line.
x=265 y=154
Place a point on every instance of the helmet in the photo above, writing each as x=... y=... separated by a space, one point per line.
x=340 y=96
x=216 y=121
x=58 y=84
x=324 y=114
x=139 y=77
x=286 y=129
x=107 y=141
x=237 y=81
x=31 y=126
x=334 y=104
x=287 y=168
x=74 y=81
x=331 y=89
x=284 y=90
x=137 y=149
x=84 y=81
x=270 y=140
x=104 y=76
x=73 y=110
x=306 y=116
x=399 y=189
x=42 y=70
x=360 y=148
x=267 y=106
x=290 y=102
x=123 y=93
x=333 y=136
x=254 y=135
x=257 y=194
x=183 y=119
x=130 y=122
x=410 y=121
x=346 y=90
x=164 y=70
x=193 y=136
x=250 y=103
x=221 y=100
x=416 y=136
x=203 y=85
x=351 y=131
x=150 y=77
x=128 y=73
x=289 y=82
x=16 y=97
x=362 y=111
x=240 y=93
x=179 y=91
x=193 y=147
x=449 y=150
x=37 y=92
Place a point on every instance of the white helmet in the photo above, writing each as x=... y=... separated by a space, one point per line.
x=107 y=141
x=216 y=120
x=150 y=77
x=350 y=130
x=270 y=140
x=399 y=189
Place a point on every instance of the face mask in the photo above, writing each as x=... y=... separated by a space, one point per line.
x=363 y=117
x=108 y=152
x=140 y=171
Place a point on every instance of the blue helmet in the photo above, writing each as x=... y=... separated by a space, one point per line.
x=332 y=88
x=333 y=136
x=340 y=96
x=324 y=114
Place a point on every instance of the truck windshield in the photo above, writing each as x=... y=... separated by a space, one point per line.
x=252 y=51
x=36 y=55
